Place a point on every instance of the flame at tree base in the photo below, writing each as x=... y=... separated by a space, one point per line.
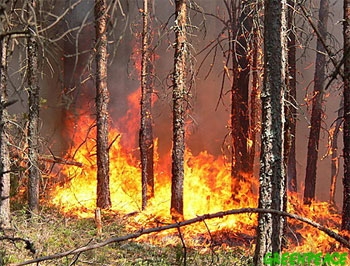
x=207 y=189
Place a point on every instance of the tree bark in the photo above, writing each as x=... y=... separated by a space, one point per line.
x=146 y=129
x=272 y=173
x=4 y=151
x=316 y=113
x=346 y=126
x=254 y=102
x=240 y=96
x=291 y=108
x=102 y=100
x=33 y=117
x=179 y=109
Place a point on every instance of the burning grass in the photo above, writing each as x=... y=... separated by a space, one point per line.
x=67 y=220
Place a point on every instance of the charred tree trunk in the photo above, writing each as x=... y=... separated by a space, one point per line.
x=240 y=97
x=254 y=105
x=346 y=126
x=33 y=117
x=316 y=113
x=334 y=154
x=291 y=109
x=179 y=109
x=272 y=173
x=102 y=99
x=4 y=152
x=146 y=129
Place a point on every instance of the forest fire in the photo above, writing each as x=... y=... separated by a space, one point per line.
x=206 y=190
x=206 y=175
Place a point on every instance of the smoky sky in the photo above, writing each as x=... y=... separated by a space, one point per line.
x=71 y=85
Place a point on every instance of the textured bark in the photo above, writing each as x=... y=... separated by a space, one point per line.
x=179 y=109
x=254 y=103
x=4 y=152
x=291 y=110
x=240 y=96
x=272 y=174
x=146 y=130
x=346 y=126
x=33 y=122
x=316 y=113
x=102 y=100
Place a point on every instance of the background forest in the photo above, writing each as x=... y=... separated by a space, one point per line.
x=118 y=116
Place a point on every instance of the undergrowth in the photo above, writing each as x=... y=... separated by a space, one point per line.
x=52 y=232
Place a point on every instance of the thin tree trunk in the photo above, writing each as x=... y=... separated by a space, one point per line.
x=254 y=105
x=33 y=119
x=146 y=130
x=272 y=173
x=240 y=96
x=346 y=126
x=102 y=99
x=179 y=109
x=291 y=113
x=316 y=113
x=4 y=152
x=334 y=154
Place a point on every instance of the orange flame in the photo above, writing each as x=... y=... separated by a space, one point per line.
x=207 y=189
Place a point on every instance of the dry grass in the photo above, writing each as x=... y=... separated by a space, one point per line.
x=51 y=232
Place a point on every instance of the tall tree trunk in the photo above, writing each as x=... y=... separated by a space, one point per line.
x=346 y=127
x=146 y=130
x=316 y=113
x=33 y=116
x=334 y=154
x=4 y=152
x=102 y=99
x=179 y=109
x=291 y=110
x=254 y=99
x=272 y=173
x=240 y=96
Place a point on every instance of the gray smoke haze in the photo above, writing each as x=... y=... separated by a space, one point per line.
x=207 y=124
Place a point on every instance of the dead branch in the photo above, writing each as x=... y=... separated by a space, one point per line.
x=29 y=245
x=201 y=218
x=60 y=160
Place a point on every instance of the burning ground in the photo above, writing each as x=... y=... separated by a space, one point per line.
x=206 y=190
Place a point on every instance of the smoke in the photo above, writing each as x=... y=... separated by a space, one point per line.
x=206 y=121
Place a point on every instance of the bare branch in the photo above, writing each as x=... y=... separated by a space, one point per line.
x=197 y=219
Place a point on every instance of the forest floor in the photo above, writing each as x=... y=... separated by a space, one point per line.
x=51 y=232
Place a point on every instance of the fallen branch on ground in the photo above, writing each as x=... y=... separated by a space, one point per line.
x=29 y=244
x=201 y=218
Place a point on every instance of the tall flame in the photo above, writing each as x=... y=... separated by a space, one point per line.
x=207 y=189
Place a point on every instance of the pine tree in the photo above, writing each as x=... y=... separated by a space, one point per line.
x=179 y=109
x=317 y=98
x=346 y=126
x=33 y=111
x=146 y=131
x=102 y=99
x=272 y=172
